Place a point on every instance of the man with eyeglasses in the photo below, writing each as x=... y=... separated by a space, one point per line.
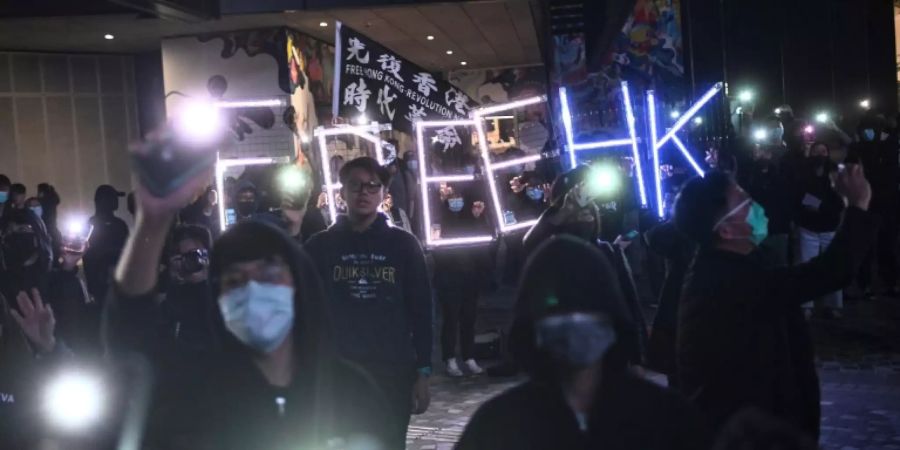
x=379 y=297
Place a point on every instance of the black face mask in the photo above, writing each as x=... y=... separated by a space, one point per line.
x=18 y=248
x=818 y=161
x=246 y=208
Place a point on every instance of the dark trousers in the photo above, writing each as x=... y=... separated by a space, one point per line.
x=459 y=306
x=885 y=252
x=395 y=386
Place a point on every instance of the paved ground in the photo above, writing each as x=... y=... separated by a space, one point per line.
x=859 y=362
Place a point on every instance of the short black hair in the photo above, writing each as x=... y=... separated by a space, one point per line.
x=700 y=204
x=17 y=188
x=369 y=165
x=4 y=180
x=197 y=233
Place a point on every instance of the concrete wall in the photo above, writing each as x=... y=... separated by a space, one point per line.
x=67 y=120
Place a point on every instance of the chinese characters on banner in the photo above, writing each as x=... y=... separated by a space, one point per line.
x=373 y=81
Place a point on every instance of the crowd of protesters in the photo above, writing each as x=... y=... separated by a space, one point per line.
x=292 y=328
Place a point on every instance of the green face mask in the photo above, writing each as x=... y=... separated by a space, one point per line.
x=756 y=218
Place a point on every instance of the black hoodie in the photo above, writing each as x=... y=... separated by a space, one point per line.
x=219 y=399
x=566 y=274
x=378 y=292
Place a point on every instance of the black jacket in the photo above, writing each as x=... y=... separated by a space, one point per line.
x=106 y=244
x=742 y=338
x=471 y=263
x=768 y=185
x=629 y=413
x=378 y=292
x=827 y=216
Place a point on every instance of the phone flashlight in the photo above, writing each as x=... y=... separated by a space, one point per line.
x=76 y=235
x=822 y=117
x=809 y=129
x=760 y=135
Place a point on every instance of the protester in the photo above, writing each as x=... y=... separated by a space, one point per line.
x=397 y=215
x=184 y=312
x=17 y=196
x=568 y=334
x=879 y=156
x=403 y=188
x=272 y=381
x=106 y=242
x=742 y=339
x=818 y=213
x=379 y=296
x=78 y=318
x=204 y=212
x=566 y=215
x=765 y=183
x=460 y=273
x=5 y=186
x=26 y=253
x=49 y=201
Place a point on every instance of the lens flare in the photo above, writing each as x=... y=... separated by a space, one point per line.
x=199 y=121
x=74 y=400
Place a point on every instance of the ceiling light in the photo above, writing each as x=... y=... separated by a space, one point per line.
x=429 y=37
x=449 y=52
x=108 y=37
x=463 y=63
x=323 y=24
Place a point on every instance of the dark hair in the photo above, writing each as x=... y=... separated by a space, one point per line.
x=567 y=274
x=131 y=204
x=197 y=233
x=817 y=143
x=17 y=188
x=26 y=217
x=699 y=205
x=369 y=165
x=4 y=181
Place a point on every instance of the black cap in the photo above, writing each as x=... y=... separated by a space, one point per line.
x=106 y=191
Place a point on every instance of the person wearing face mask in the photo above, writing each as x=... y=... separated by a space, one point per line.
x=573 y=211
x=818 y=214
x=106 y=242
x=742 y=337
x=568 y=334
x=17 y=196
x=460 y=274
x=272 y=380
x=5 y=185
x=25 y=253
x=379 y=297
x=879 y=156
x=766 y=183
x=185 y=309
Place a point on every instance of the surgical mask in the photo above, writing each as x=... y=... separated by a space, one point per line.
x=260 y=315
x=756 y=218
x=4 y=196
x=577 y=340
x=534 y=193
x=413 y=165
x=869 y=134
x=456 y=204
x=469 y=169
x=246 y=208
x=38 y=210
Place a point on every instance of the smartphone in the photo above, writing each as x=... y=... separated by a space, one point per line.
x=631 y=235
x=166 y=165
x=75 y=241
x=230 y=217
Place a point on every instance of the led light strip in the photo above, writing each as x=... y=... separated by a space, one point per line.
x=680 y=123
x=479 y=115
x=223 y=164
x=631 y=140
x=651 y=111
x=363 y=131
x=430 y=242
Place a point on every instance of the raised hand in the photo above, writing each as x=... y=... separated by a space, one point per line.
x=36 y=320
x=851 y=183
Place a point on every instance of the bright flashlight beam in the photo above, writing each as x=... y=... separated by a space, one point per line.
x=638 y=168
x=745 y=96
x=687 y=155
x=481 y=112
x=603 y=144
x=760 y=135
x=460 y=241
x=223 y=164
x=199 y=120
x=683 y=120
x=822 y=117
x=75 y=227
x=516 y=162
x=449 y=178
x=249 y=103
x=74 y=400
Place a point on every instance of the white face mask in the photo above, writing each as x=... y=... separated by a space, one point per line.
x=260 y=315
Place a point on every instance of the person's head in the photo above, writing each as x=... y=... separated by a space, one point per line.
x=752 y=428
x=819 y=150
x=17 y=195
x=267 y=290
x=569 y=312
x=363 y=183
x=24 y=244
x=246 y=199
x=47 y=194
x=455 y=200
x=189 y=254
x=106 y=199
x=762 y=153
x=34 y=205
x=212 y=196
x=784 y=112
x=713 y=210
x=5 y=184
